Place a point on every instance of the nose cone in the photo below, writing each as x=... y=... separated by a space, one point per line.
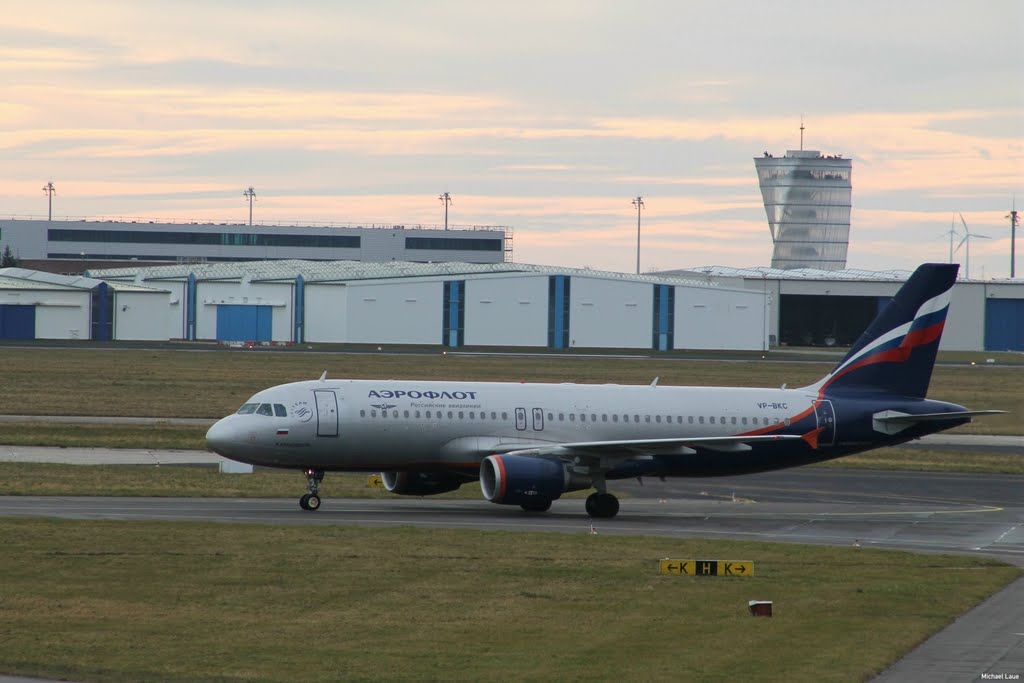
x=222 y=438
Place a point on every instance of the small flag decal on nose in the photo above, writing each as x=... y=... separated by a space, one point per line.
x=282 y=432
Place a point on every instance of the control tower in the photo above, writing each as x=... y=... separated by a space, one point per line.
x=807 y=200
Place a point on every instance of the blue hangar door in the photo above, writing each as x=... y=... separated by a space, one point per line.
x=17 y=321
x=1004 y=324
x=244 y=323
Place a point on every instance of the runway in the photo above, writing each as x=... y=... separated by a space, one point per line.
x=980 y=514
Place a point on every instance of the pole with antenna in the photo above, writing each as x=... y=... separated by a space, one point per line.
x=1014 y=222
x=446 y=200
x=801 y=132
x=639 y=204
x=50 y=190
x=250 y=194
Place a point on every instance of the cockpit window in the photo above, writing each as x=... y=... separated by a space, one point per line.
x=265 y=409
x=248 y=408
x=279 y=410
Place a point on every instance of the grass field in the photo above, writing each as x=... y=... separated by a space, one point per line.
x=113 y=601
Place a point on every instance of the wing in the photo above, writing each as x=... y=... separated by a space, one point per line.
x=629 y=448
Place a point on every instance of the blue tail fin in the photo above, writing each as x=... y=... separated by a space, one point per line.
x=896 y=354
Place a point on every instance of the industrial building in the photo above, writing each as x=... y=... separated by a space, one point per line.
x=35 y=305
x=453 y=305
x=76 y=245
x=807 y=198
x=812 y=307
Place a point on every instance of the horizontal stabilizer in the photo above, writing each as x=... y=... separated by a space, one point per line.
x=893 y=422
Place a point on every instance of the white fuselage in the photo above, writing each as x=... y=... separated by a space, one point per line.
x=377 y=425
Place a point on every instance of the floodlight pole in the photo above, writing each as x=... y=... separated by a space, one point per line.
x=1014 y=222
x=639 y=204
x=50 y=190
x=251 y=195
x=446 y=200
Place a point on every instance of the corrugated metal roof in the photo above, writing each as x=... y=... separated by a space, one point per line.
x=794 y=274
x=22 y=278
x=28 y=285
x=326 y=271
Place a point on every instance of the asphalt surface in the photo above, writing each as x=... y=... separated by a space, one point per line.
x=977 y=514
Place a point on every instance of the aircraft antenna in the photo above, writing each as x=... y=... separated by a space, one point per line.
x=50 y=190
x=801 y=132
x=323 y=376
x=655 y=382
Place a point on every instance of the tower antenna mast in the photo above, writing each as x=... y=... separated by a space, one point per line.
x=50 y=190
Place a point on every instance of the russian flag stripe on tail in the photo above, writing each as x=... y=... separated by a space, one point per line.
x=896 y=354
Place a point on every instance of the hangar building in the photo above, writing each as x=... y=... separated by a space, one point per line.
x=810 y=307
x=451 y=304
x=81 y=244
x=35 y=305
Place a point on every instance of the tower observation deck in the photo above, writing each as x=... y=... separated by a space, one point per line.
x=807 y=201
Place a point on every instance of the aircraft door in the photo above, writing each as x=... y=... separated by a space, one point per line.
x=538 y=420
x=826 y=422
x=521 y=419
x=326 y=412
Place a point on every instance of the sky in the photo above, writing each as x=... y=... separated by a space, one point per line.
x=547 y=117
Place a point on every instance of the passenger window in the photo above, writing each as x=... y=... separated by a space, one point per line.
x=362 y=413
x=615 y=417
x=428 y=414
x=450 y=415
x=657 y=418
x=636 y=418
x=279 y=410
x=583 y=417
x=734 y=420
x=248 y=408
x=647 y=418
x=572 y=417
x=417 y=414
x=561 y=417
x=504 y=415
x=406 y=415
x=712 y=419
x=494 y=416
x=472 y=415
x=373 y=413
x=460 y=414
x=265 y=409
x=604 y=417
x=383 y=413
x=593 y=417
x=700 y=419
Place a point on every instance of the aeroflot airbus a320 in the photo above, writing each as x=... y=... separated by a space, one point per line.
x=527 y=444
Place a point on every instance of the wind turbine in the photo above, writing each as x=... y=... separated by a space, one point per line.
x=952 y=233
x=968 y=235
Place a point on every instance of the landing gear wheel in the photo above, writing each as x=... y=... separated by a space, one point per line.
x=602 y=505
x=538 y=506
x=311 y=500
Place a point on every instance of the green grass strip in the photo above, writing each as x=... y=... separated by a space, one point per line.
x=115 y=601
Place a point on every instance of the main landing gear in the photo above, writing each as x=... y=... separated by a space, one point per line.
x=311 y=500
x=602 y=505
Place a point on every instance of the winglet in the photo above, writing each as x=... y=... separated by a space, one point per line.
x=323 y=376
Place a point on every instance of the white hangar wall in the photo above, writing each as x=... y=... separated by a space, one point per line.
x=397 y=312
x=507 y=311
x=326 y=312
x=611 y=313
x=714 y=318
x=140 y=316
x=63 y=315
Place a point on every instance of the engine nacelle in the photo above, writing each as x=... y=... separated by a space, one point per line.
x=421 y=483
x=525 y=480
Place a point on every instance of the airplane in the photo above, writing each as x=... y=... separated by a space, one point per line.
x=529 y=443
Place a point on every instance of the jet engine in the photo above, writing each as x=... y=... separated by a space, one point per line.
x=421 y=483
x=527 y=481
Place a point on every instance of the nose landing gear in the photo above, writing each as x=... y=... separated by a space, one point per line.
x=311 y=500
